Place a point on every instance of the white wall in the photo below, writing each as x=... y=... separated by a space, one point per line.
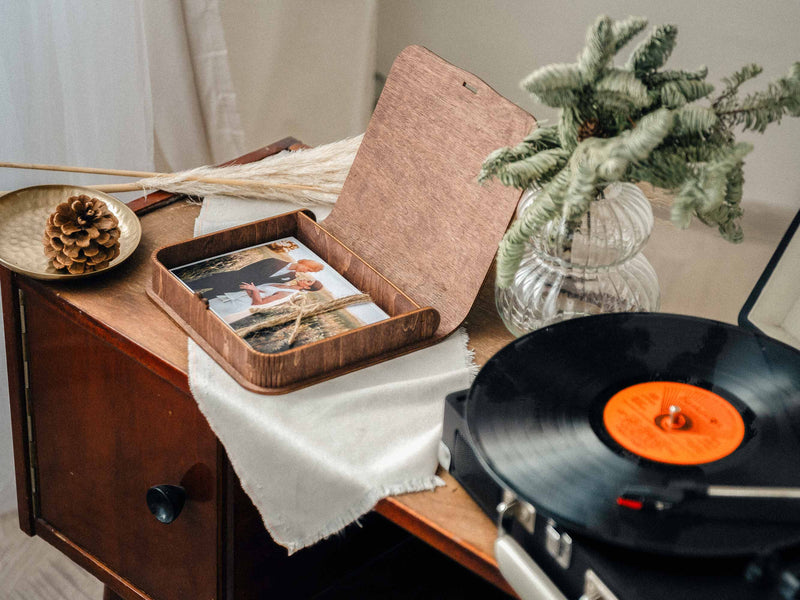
x=503 y=41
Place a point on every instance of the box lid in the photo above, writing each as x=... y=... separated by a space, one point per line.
x=411 y=205
x=773 y=307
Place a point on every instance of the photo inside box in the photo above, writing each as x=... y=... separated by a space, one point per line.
x=252 y=288
x=408 y=323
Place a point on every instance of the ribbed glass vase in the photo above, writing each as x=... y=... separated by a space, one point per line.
x=598 y=268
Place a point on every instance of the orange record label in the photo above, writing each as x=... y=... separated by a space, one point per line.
x=674 y=423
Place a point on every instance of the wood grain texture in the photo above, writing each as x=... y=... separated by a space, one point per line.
x=118 y=305
x=228 y=240
x=487 y=334
x=106 y=430
x=410 y=213
x=263 y=569
x=362 y=275
x=450 y=521
x=31 y=569
x=16 y=393
x=113 y=582
x=447 y=518
x=284 y=371
x=411 y=206
x=115 y=307
x=109 y=594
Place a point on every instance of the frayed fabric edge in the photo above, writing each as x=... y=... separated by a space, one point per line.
x=469 y=354
x=360 y=509
x=337 y=524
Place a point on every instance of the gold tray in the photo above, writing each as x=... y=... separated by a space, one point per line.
x=24 y=213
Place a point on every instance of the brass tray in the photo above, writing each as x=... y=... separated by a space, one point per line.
x=24 y=213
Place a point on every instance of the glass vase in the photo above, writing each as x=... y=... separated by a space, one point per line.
x=597 y=268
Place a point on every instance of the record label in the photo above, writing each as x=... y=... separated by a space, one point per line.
x=673 y=423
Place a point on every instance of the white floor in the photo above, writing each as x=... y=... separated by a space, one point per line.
x=31 y=569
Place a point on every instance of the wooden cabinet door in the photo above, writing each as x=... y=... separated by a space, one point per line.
x=105 y=429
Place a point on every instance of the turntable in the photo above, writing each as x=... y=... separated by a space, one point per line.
x=637 y=456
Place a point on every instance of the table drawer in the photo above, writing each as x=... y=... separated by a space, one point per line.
x=106 y=429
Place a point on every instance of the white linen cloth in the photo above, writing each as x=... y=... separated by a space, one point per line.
x=317 y=459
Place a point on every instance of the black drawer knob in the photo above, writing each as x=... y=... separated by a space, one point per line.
x=166 y=501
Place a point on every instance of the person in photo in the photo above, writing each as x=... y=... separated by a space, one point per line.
x=300 y=284
x=238 y=305
x=266 y=271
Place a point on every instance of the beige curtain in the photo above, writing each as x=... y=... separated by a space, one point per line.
x=145 y=83
x=305 y=68
x=229 y=77
x=196 y=121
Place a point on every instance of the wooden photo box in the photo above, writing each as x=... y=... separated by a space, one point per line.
x=412 y=227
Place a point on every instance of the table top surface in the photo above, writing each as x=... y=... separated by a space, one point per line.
x=447 y=518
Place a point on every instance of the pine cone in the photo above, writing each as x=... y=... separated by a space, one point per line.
x=82 y=235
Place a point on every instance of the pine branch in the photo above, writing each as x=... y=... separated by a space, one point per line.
x=544 y=209
x=694 y=120
x=544 y=138
x=625 y=31
x=555 y=85
x=568 y=125
x=612 y=157
x=735 y=188
x=733 y=82
x=760 y=109
x=653 y=52
x=599 y=49
x=582 y=190
x=729 y=224
x=670 y=95
x=635 y=124
x=539 y=140
x=679 y=92
x=534 y=170
x=712 y=194
x=621 y=89
x=569 y=194
x=664 y=170
x=656 y=78
x=502 y=157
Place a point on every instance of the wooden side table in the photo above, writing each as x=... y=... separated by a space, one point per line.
x=101 y=412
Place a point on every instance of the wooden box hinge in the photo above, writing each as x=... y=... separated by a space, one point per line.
x=28 y=405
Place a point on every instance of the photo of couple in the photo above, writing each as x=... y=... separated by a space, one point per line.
x=250 y=287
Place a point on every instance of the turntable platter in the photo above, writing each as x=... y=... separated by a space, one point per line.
x=569 y=416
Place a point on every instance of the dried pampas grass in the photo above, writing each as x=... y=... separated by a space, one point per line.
x=306 y=177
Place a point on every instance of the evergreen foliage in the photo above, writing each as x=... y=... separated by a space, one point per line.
x=635 y=123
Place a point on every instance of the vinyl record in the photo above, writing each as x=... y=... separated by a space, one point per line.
x=570 y=416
